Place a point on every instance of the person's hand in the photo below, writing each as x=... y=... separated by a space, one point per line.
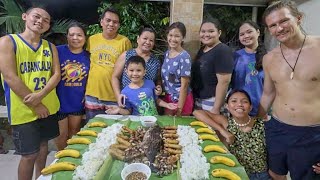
x=41 y=111
x=172 y=106
x=215 y=111
x=316 y=168
x=178 y=112
x=32 y=99
x=228 y=136
x=121 y=100
x=111 y=109
x=158 y=90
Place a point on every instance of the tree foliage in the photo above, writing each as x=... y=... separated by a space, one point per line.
x=230 y=18
x=135 y=15
x=10 y=16
x=11 y=21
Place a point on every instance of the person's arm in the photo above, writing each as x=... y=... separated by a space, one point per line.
x=164 y=104
x=183 y=94
x=316 y=168
x=269 y=91
x=35 y=98
x=111 y=109
x=8 y=68
x=159 y=83
x=217 y=122
x=221 y=91
x=116 y=76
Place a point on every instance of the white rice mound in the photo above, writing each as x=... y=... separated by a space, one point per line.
x=93 y=159
x=194 y=165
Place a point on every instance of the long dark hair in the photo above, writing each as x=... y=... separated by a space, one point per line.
x=261 y=50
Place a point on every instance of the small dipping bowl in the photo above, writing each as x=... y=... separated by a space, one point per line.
x=148 y=121
x=135 y=167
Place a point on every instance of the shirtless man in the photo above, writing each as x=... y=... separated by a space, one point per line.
x=291 y=87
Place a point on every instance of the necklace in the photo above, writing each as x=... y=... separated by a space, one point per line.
x=244 y=124
x=293 y=68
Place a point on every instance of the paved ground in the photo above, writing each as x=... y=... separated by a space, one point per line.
x=9 y=162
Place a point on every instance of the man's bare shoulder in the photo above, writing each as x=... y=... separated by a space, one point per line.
x=315 y=41
x=271 y=55
x=6 y=43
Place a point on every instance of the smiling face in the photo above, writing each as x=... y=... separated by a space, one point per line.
x=37 y=20
x=282 y=24
x=76 y=38
x=239 y=105
x=175 y=38
x=209 y=34
x=110 y=24
x=136 y=72
x=146 y=41
x=248 y=35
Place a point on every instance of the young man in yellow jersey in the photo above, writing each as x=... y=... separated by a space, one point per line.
x=31 y=71
x=104 y=48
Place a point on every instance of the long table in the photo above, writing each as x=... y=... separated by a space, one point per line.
x=111 y=169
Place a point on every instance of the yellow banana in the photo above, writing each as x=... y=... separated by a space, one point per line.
x=97 y=124
x=208 y=137
x=225 y=174
x=59 y=166
x=87 y=133
x=67 y=152
x=223 y=160
x=205 y=130
x=198 y=123
x=216 y=148
x=79 y=141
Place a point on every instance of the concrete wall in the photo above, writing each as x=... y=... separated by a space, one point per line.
x=189 y=12
x=311 y=20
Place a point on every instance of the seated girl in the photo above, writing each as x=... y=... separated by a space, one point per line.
x=244 y=134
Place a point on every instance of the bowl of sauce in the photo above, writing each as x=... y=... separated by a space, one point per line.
x=136 y=171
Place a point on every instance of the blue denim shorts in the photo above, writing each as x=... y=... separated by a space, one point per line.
x=292 y=148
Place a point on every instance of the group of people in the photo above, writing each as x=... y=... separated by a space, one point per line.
x=48 y=89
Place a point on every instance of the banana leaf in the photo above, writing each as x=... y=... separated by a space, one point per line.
x=111 y=168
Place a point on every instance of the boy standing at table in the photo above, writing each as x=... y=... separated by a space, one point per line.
x=140 y=97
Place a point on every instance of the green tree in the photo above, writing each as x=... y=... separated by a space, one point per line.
x=135 y=15
x=230 y=18
x=10 y=16
x=11 y=21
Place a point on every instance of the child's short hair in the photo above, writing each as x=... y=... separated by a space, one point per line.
x=240 y=91
x=136 y=60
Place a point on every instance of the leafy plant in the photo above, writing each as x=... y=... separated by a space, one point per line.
x=135 y=15
x=230 y=18
x=11 y=21
x=10 y=16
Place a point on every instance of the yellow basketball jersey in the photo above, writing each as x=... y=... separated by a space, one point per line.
x=34 y=67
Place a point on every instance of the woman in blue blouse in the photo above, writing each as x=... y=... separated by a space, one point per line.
x=248 y=73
